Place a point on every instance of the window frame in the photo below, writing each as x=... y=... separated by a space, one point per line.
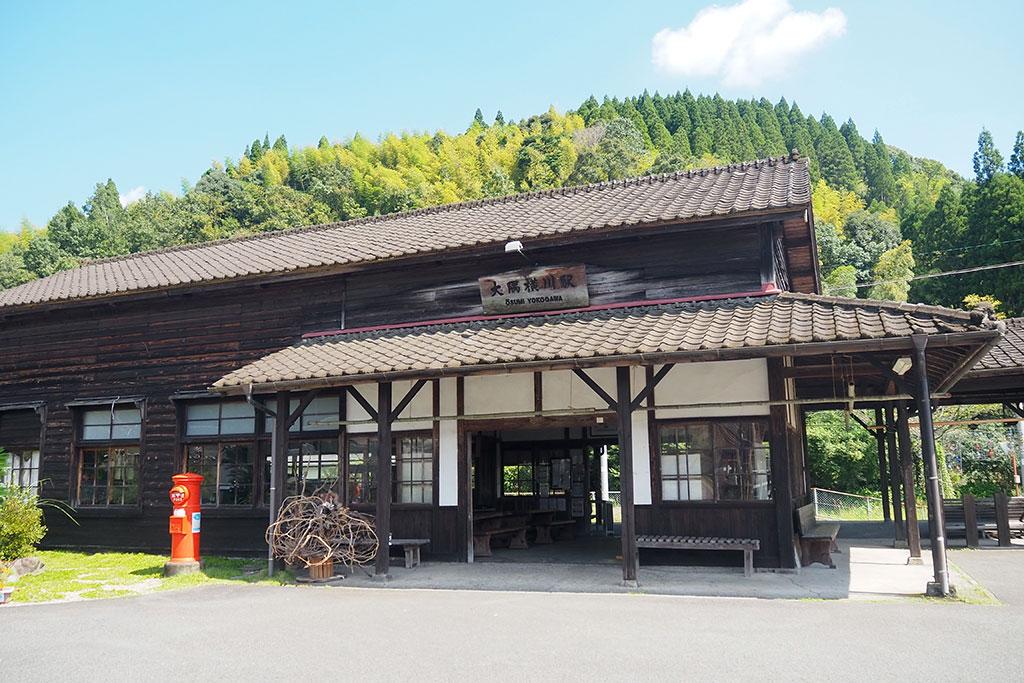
x=110 y=449
x=80 y=445
x=395 y=437
x=260 y=444
x=14 y=475
x=656 y=468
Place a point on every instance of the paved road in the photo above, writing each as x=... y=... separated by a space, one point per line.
x=246 y=632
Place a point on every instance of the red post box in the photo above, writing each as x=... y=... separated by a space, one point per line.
x=185 y=522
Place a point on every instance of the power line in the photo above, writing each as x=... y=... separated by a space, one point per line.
x=928 y=276
x=970 y=247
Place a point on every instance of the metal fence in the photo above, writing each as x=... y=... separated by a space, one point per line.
x=845 y=506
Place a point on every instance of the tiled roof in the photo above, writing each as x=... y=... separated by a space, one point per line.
x=785 y=318
x=1008 y=354
x=770 y=184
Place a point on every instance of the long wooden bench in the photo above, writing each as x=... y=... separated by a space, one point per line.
x=972 y=517
x=747 y=545
x=817 y=540
x=547 y=530
x=482 y=539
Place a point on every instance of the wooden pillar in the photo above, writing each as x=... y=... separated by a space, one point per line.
x=1002 y=504
x=970 y=520
x=383 y=518
x=782 y=485
x=936 y=526
x=278 y=462
x=899 y=531
x=883 y=470
x=907 y=471
x=623 y=404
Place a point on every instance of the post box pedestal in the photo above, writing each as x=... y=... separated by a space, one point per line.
x=186 y=567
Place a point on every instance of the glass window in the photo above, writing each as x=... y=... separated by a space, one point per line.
x=109 y=476
x=120 y=423
x=412 y=468
x=22 y=470
x=312 y=465
x=414 y=479
x=362 y=470
x=517 y=480
x=321 y=415
x=722 y=460
x=213 y=419
x=227 y=470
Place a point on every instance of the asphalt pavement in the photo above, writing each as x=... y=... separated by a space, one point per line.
x=245 y=632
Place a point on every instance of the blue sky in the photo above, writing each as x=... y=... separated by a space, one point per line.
x=149 y=95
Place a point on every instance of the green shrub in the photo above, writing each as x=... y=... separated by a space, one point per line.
x=984 y=476
x=21 y=523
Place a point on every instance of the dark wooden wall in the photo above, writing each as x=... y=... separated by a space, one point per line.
x=733 y=520
x=19 y=429
x=159 y=345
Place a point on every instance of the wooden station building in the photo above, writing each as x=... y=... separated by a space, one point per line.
x=446 y=363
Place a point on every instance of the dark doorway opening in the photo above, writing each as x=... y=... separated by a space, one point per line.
x=542 y=495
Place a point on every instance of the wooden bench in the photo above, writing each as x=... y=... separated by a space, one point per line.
x=482 y=539
x=545 y=528
x=747 y=545
x=411 y=547
x=970 y=517
x=817 y=540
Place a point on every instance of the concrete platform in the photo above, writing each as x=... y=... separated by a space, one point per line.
x=865 y=570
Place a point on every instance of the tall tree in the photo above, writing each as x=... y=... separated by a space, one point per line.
x=893 y=272
x=1016 y=165
x=987 y=160
x=878 y=171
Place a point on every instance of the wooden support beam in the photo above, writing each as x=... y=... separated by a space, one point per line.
x=936 y=525
x=407 y=399
x=597 y=388
x=883 y=470
x=649 y=386
x=630 y=558
x=278 y=464
x=888 y=373
x=382 y=522
x=304 y=402
x=1002 y=503
x=782 y=486
x=895 y=477
x=970 y=520
x=361 y=400
x=1015 y=409
x=859 y=370
x=907 y=473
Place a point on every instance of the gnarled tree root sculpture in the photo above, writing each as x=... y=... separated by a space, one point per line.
x=315 y=531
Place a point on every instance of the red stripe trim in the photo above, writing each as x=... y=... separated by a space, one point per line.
x=767 y=290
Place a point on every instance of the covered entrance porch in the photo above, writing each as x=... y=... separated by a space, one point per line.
x=705 y=399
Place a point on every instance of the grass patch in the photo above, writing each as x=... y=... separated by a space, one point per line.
x=75 y=576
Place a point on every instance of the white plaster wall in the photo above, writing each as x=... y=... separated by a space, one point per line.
x=717 y=382
x=421 y=406
x=641 y=459
x=448 y=448
x=563 y=389
x=486 y=394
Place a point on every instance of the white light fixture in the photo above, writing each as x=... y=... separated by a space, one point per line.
x=513 y=246
x=902 y=365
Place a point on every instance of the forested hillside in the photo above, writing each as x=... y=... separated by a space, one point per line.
x=882 y=215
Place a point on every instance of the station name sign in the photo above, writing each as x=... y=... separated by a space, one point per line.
x=539 y=289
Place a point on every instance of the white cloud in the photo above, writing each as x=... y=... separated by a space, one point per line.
x=746 y=43
x=133 y=195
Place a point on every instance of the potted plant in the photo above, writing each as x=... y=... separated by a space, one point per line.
x=5 y=590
